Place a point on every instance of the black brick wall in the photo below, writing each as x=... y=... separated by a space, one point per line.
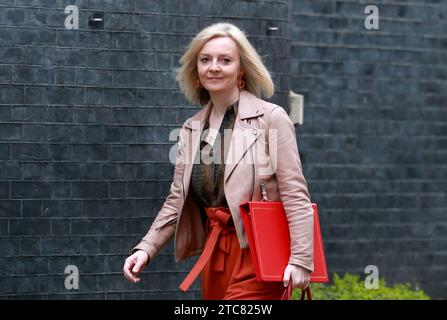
x=85 y=117
x=374 y=137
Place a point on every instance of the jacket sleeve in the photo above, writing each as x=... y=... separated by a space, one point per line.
x=286 y=162
x=163 y=228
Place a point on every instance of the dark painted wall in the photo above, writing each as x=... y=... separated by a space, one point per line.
x=85 y=117
x=374 y=138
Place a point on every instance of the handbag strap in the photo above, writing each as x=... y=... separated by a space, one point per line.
x=306 y=292
x=288 y=293
x=253 y=170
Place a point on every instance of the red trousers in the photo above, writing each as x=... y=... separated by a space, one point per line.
x=227 y=271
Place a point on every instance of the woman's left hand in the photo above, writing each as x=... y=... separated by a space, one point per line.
x=298 y=275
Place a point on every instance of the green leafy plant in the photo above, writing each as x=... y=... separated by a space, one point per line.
x=351 y=287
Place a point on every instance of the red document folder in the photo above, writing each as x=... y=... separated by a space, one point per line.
x=269 y=240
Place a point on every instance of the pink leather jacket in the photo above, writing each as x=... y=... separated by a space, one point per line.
x=262 y=131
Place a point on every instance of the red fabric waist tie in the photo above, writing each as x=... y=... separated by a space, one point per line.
x=217 y=229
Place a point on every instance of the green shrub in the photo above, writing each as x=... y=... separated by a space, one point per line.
x=351 y=287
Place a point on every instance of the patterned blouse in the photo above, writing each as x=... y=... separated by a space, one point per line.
x=207 y=180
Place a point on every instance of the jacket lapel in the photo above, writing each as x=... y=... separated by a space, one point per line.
x=244 y=134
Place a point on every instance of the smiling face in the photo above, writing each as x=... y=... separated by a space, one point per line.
x=218 y=65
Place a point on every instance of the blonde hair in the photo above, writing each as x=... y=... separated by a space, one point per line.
x=256 y=76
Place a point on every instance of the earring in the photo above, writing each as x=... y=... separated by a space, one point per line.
x=197 y=84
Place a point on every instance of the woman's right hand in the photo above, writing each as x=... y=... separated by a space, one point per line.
x=134 y=264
